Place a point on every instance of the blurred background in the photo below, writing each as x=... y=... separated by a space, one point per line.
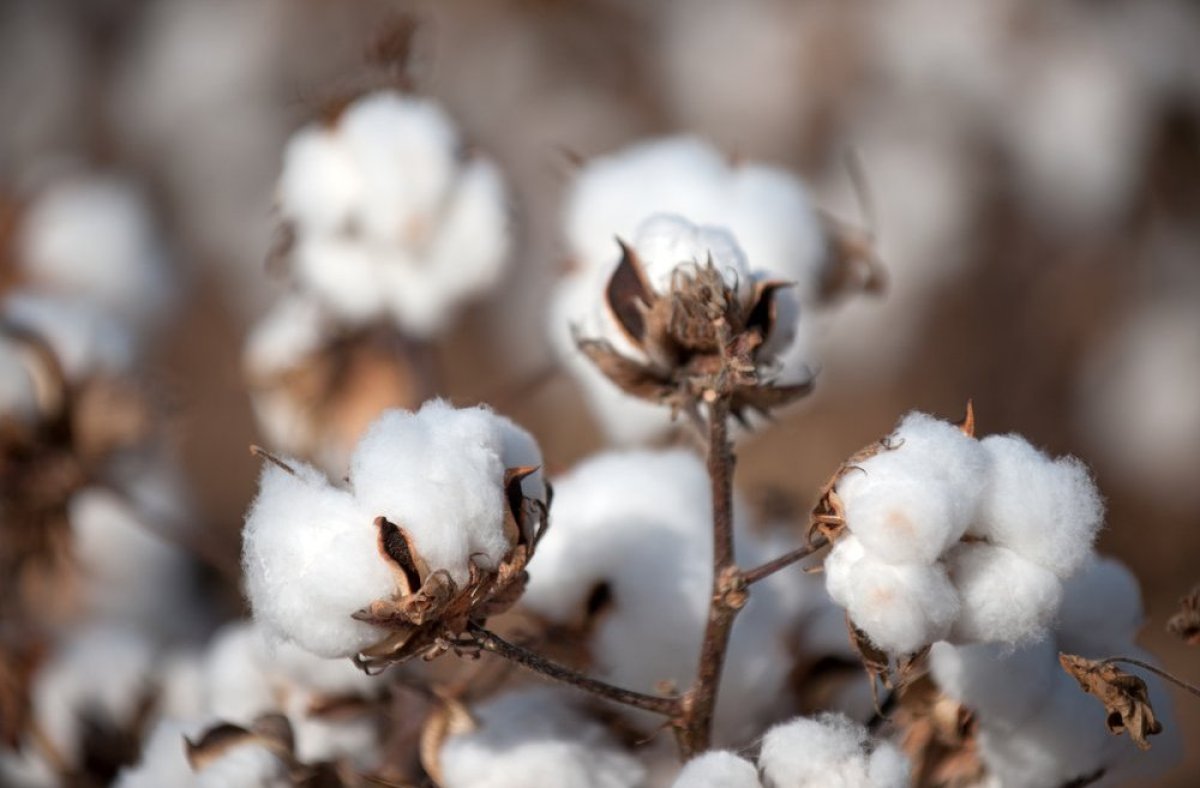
x=1033 y=173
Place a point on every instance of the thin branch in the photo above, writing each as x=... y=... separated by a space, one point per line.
x=1178 y=682
x=490 y=641
x=729 y=591
x=752 y=576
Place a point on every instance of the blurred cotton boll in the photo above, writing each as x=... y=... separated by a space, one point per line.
x=829 y=750
x=718 y=769
x=389 y=217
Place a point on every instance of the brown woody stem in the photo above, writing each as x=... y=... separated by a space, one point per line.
x=729 y=590
x=490 y=641
x=1178 y=682
x=752 y=576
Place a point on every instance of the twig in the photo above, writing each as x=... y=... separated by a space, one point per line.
x=752 y=576
x=490 y=641
x=1178 y=682
x=729 y=589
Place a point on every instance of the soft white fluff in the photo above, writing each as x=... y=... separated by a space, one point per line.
x=1048 y=511
x=164 y=758
x=92 y=237
x=668 y=244
x=1101 y=606
x=639 y=522
x=901 y=607
x=311 y=560
x=830 y=751
x=438 y=473
x=290 y=331
x=246 y=765
x=536 y=738
x=1005 y=598
x=1004 y=683
x=718 y=769
x=390 y=221
x=66 y=688
x=84 y=339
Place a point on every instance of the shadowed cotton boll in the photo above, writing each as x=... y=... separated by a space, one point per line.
x=1005 y=598
x=718 y=769
x=902 y=607
x=830 y=751
x=536 y=737
x=164 y=759
x=85 y=339
x=390 y=219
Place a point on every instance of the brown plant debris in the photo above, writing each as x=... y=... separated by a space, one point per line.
x=1124 y=696
x=938 y=735
x=696 y=339
x=429 y=609
x=1185 y=624
x=449 y=717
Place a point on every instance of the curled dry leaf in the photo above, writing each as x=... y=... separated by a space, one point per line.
x=698 y=337
x=429 y=609
x=272 y=732
x=1185 y=624
x=1124 y=696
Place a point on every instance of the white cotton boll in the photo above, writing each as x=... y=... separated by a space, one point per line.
x=900 y=518
x=1002 y=684
x=66 y=689
x=438 y=474
x=519 y=449
x=533 y=739
x=943 y=450
x=325 y=676
x=1005 y=598
x=1047 y=510
x=92 y=238
x=130 y=571
x=164 y=758
x=827 y=751
x=353 y=738
x=181 y=682
x=292 y=329
x=237 y=688
x=85 y=340
x=246 y=765
x=311 y=560
x=1101 y=609
x=405 y=151
x=668 y=243
x=888 y=767
x=18 y=392
x=343 y=273
x=320 y=188
x=718 y=769
x=901 y=607
x=840 y=565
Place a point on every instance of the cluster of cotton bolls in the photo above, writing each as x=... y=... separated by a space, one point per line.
x=755 y=220
x=633 y=528
x=312 y=553
x=390 y=218
x=952 y=538
x=1035 y=727
x=827 y=750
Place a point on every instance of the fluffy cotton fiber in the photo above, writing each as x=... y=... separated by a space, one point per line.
x=829 y=751
x=718 y=769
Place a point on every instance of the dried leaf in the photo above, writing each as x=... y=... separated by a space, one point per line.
x=1124 y=696
x=874 y=660
x=449 y=718
x=1185 y=624
x=631 y=377
x=628 y=294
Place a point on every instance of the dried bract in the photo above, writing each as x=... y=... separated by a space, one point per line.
x=1124 y=696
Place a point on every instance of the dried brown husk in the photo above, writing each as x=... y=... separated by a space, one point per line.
x=939 y=736
x=1125 y=697
x=1185 y=623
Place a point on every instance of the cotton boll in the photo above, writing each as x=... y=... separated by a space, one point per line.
x=311 y=560
x=718 y=769
x=181 y=682
x=1005 y=685
x=92 y=238
x=827 y=751
x=1048 y=511
x=320 y=188
x=901 y=607
x=237 y=687
x=164 y=758
x=519 y=449
x=310 y=672
x=353 y=738
x=247 y=765
x=1101 y=609
x=667 y=244
x=944 y=450
x=84 y=339
x=1005 y=598
x=67 y=687
x=437 y=473
x=900 y=518
x=343 y=273
x=291 y=330
x=840 y=567
x=533 y=738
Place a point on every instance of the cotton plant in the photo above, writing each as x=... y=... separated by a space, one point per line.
x=780 y=238
x=441 y=511
x=940 y=536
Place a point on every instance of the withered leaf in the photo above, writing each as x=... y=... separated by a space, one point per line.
x=874 y=660
x=628 y=294
x=764 y=310
x=1185 y=624
x=1124 y=696
x=631 y=377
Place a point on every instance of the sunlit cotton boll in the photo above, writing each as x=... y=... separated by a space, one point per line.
x=536 y=737
x=311 y=560
x=718 y=769
x=438 y=474
x=668 y=246
x=829 y=751
x=92 y=237
x=390 y=218
x=1048 y=511
x=901 y=607
x=1005 y=598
